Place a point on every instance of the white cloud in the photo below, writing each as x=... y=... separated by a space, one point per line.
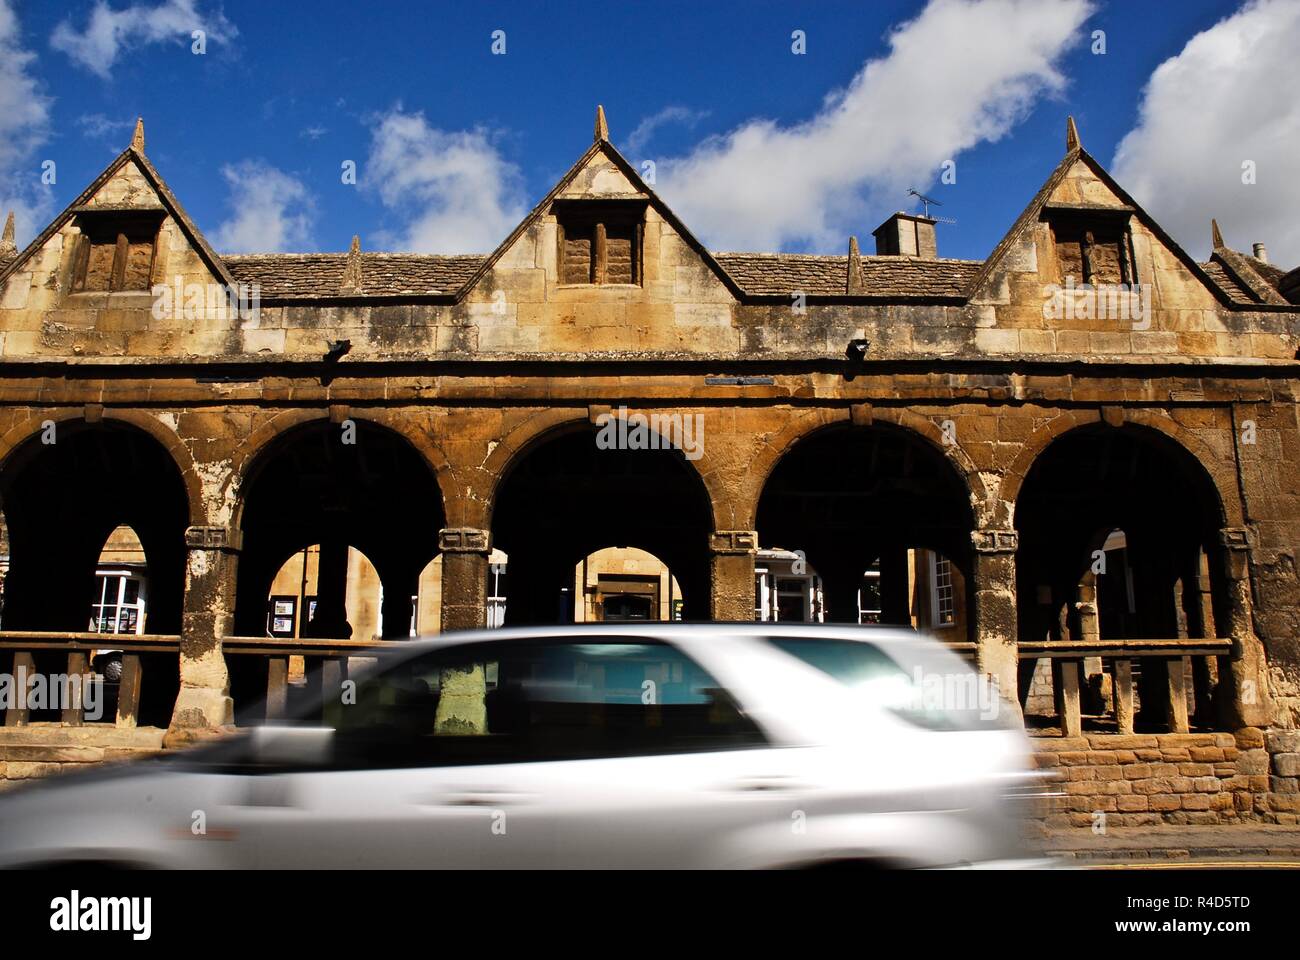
x=273 y=211
x=639 y=138
x=961 y=73
x=453 y=190
x=97 y=125
x=109 y=33
x=1228 y=97
x=24 y=129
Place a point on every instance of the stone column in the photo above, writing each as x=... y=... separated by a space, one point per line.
x=994 y=587
x=462 y=705
x=1244 y=699
x=465 y=552
x=731 y=575
x=204 y=696
x=331 y=619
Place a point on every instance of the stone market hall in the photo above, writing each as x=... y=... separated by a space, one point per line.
x=1077 y=461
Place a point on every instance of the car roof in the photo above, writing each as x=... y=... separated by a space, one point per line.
x=677 y=631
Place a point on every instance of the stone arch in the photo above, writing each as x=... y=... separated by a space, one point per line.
x=63 y=501
x=250 y=452
x=557 y=497
x=874 y=508
x=516 y=445
x=803 y=426
x=31 y=427
x=547 y=425
x=1087 y=478
x=1224 y=483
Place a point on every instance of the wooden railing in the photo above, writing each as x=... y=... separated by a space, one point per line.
x=330 y=655
x=25 y=644
x=1172 y=657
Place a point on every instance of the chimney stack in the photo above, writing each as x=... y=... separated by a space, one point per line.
x=906 y=235
x=1261 y=252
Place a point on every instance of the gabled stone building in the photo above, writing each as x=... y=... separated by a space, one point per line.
x=1010 y=415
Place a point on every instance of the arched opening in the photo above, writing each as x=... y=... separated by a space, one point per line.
x=355 y=506
x=96 y=517
x=878 y=521
x=622 y=584
x=567 y=497
x=1118 y=535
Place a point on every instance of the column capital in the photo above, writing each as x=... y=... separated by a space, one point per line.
x=1236 y=538
x=464 y=540
x=995 y=541
x=733 y=541
x=214 y=538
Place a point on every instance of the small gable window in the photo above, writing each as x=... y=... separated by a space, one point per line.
x=1094 y=250
x=599 y=241
x=115 y=251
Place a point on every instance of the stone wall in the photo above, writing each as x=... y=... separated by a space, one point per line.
x=1252 y=776
x=44 y=750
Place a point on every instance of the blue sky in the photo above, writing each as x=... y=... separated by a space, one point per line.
x=251 y=134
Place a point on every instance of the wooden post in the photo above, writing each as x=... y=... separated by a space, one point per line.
x=1176 y=670
x=1204 y=680
x=277 y=687
x=128 y=691
x=73 y=712
x=1121 y=672
x=332 y=670
x=599 y=256
x=24 y=667
x=1065 y=688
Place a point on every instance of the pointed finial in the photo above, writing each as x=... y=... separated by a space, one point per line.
x=352 y=269
x=602 y=128
x=855 y=283
x=1071 y=135
x=7 y=245
x=137 y=138
x=1216 y=236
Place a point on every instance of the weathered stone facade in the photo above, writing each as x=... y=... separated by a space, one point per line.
x=946 y=390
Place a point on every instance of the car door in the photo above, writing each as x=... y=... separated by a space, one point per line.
x=399 y=785
x=630 y=754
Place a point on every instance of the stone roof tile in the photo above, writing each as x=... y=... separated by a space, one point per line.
x=313 y=275
x=897 y=277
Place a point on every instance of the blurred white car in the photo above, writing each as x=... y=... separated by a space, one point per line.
x=673 y=746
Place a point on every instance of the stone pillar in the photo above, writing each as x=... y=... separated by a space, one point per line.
x=331 y=618
x=994 y=588
x=465 y=552
x=895 y=597
x=462 y=704
x=731 y=575
x=204 y=696
x=840 y=585
x=1244 y=699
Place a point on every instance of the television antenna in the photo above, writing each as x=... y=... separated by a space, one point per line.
x=926 y=202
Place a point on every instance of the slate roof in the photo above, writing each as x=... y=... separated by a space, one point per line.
x=782 y=274
x=1236 y=292
x=1256 y=278
x=313 y=275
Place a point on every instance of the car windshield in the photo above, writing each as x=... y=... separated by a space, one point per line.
x=930 y=693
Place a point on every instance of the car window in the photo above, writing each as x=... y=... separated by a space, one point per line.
x=537 y=700
x=928 y=694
